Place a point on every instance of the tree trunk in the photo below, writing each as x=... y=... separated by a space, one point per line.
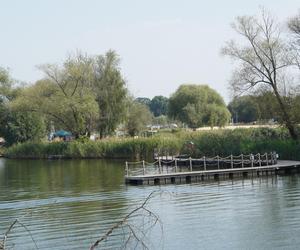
x=285 y=116
x=101 y=133
x=88 y=133
x=76 y=135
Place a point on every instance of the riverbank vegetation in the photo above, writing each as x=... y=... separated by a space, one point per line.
x=191 y=143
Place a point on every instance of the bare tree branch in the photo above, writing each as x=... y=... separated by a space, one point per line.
x=262 y=59
x=5 y=237
x=132 y=231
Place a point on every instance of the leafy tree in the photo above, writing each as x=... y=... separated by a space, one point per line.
x=262 y=59
x=84 y=94
x=65 y=96
x=159 y=105
x=20 y=126
x=139 y=116
x=244 y=109
x=296 y=108
x=144 y=100
x=16 y=126
x=267 y=106
x=263 y=106
x=8 y=89
x=198 y=105
x=111 y=92
x=5 y=84
x=216 y=115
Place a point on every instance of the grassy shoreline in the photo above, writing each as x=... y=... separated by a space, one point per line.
x=105 y=149
x=209 y=143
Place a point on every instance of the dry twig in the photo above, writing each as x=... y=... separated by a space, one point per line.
x=134 y=232
x=5 y=237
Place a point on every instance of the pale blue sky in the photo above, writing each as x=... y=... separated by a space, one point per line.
x=162 y=44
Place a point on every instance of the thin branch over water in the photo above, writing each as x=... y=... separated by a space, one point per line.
x=134 y=233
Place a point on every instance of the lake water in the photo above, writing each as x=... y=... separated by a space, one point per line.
x=69 y=204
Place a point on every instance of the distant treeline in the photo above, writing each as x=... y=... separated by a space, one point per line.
x=87 y=94
x=263 y=108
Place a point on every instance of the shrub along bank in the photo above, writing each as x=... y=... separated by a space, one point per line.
x=196 y=144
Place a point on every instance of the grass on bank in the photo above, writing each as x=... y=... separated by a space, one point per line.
x=209 y=143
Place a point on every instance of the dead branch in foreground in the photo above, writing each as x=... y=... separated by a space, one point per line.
x=134 y=231
x=3 y=241
x=5 y=237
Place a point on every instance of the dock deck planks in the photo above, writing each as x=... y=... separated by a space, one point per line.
x=192 y=176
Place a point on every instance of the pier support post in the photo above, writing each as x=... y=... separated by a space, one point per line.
x=252 y=159
x=175 y=165
x=204 y=162
x=271 y=155
x=168 y=180
x=159 y=165
x=127 y=170
x=218 y=159
x=144 y=170
x=191 y=164
x=259 y=159
x=267 y=159
x=193 y=179
x=242 y=156
x=177 y=180
x=231 y=160
x=151 y=181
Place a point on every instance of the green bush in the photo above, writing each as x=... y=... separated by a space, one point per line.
x=238 y=141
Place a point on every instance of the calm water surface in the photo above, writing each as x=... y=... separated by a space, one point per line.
x=69 y=204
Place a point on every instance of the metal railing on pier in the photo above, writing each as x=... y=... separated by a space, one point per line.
x=173 y=164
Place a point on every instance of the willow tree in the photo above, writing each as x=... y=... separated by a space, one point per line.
x=138 y=117
x=16 y=125
x=262 y=60
x=244 y=109
x=111 y=92
x=5 y=84
x=198 y=105
x=159 y=105
x=64 y=96
x=85 y=94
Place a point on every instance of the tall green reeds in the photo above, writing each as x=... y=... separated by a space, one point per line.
x=196 y=144
x=113 y=148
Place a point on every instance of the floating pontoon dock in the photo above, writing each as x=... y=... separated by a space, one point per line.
x=178 y=170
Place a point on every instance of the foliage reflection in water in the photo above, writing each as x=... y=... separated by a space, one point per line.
x=69 y=204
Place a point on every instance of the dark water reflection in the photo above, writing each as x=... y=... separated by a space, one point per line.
x=68 y=204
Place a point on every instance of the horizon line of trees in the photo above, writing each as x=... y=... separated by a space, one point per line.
x=88 y=93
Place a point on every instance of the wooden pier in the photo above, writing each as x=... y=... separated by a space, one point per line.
x=161 y=172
